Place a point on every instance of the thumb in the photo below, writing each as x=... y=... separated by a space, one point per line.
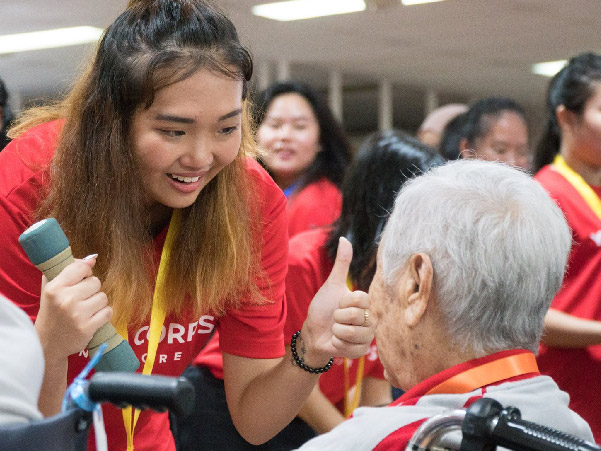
x=344 y=255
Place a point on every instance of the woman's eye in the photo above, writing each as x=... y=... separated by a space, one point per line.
x=173 y=133
x=228 y=130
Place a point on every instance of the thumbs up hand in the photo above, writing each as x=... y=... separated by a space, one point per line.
x=337 y=324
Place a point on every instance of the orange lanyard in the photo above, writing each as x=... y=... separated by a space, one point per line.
x=583 y=188
x=349 y=407
x=488 y=373
x=157 y=318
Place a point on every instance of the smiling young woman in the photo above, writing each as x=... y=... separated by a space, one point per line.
x=148 y=163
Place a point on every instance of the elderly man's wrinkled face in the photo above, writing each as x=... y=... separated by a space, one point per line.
x=386 y=307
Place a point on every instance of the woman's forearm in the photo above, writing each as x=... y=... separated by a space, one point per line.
x=319 y=413
x=53 y=388
x=275 y=394
x=563 y=330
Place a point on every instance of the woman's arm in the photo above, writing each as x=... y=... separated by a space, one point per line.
x=563 y=330
x=264 y=395
x=72 y=308
x=375 y=392
x=319 y=413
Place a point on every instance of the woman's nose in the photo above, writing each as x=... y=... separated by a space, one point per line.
x=199 y=155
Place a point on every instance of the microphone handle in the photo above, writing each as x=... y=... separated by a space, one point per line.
x=106 y=333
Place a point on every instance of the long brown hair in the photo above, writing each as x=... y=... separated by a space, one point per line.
x=95 y=192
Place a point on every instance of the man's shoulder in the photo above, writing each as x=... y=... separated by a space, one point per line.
x=371 y=428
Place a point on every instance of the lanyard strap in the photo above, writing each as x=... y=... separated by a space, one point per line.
x=157 y=318
x=349 y=407
x=488 y=373
x=583 y=188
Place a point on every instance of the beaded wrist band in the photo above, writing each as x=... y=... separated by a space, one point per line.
x=300 y=361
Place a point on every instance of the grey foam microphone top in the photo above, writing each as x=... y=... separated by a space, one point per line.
x=43 y=240
x=120 y=358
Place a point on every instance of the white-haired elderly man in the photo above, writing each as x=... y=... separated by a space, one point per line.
x=468 y=264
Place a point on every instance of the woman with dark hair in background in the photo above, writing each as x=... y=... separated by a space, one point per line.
x=384 y=162
x=306 y=152
x=495 y=129
x=568 y=161
x=147 y=165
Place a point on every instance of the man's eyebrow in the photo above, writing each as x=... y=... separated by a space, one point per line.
x=232 y=114
x=171 y=118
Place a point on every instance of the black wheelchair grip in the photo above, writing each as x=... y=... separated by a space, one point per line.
x=524 y=435
x=159 y=393
x=487 y=425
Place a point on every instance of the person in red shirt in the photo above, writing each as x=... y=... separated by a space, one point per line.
x=306 y=152
x=147 y=165
x=384 y=162
x=568 y=161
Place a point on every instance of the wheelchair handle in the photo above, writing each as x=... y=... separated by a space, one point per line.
x=487 y=425
x=141 y=391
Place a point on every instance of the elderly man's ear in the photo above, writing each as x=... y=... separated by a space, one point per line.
x=416 y=288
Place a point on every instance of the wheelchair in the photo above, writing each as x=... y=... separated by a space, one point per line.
x=484 y=426
x=68 y=431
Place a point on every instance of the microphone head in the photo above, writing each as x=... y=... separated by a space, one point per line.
x=43 y=240
x=120 y=358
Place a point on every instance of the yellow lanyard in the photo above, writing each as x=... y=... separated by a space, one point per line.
x=583 y=188
x=157 y=318
x=349 y=407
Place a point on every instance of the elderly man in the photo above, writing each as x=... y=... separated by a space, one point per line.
x=468 y=264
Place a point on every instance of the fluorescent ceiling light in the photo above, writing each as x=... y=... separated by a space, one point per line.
x=307 y=9
x=418 y=2
x=37 y=40
x=549 y=68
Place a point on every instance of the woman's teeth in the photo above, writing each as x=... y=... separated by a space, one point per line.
x=184 y=179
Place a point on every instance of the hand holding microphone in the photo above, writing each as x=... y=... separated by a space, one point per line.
x=77 y=305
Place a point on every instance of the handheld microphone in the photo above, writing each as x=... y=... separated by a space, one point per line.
x=48 y=249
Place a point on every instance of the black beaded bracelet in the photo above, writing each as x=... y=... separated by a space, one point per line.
x=300 y=361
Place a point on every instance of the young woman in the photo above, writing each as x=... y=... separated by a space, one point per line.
x=147 y=164
x=306 y=153
x=568 y=161
x=495 y=129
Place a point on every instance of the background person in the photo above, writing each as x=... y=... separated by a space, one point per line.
x=306 y=152
x=147 y=164
x=495 y=129
x=568 y=161
x=446 y=303
x=431 y=129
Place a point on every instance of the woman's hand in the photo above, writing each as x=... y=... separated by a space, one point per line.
x=72 y=308
x=337 y=324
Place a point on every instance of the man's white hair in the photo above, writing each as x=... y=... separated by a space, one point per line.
x=498 y=244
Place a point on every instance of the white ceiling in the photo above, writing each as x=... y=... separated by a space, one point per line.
x=463 y=49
